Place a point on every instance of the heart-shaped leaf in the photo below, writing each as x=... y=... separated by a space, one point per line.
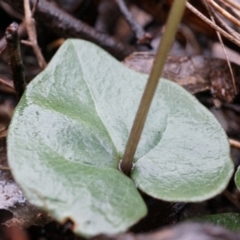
x=70 y=129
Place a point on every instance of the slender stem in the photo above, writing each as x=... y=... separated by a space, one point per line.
x=174 y=18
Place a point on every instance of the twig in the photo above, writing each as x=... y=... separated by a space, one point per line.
x=224 y=12
x=174 y=18
x=233 y=9
x=15 y=60
x=231 y=3
x=6 y=83
x=3 y=134
x=10 y=11
x=32 y=34
x=214 y=26
x=225 y=26
x=222 y=23
x=64 y=25
x=211 y=12
x=142 y=36
x=4 y=168
x=34 y=7
x=234 y=143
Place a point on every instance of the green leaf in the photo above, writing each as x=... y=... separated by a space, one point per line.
x=190 y=161
x=70 y=129
x=62 y=154
x=227 y=220
x=237 y=178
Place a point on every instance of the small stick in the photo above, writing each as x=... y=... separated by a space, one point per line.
x=7 y=84
x=234 y=143
x=222 y=23
x=3 y=134
x=214 y=26
x=67 y=26
x=174 y=18
x=225 y=26
x=32 y=34
x=4 y=168
x=224 y=12
x=35 y=7
x=11 y=11
x=15 y=60
x=142 y=36
x=211 y=12
x=231 y=3
x=233 y=9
